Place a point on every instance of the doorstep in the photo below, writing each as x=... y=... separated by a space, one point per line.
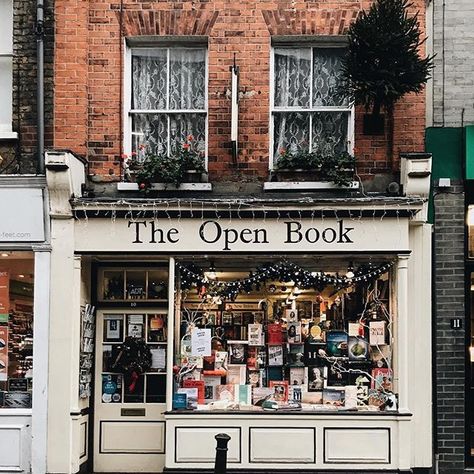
x=306 y=186
x=167 y=187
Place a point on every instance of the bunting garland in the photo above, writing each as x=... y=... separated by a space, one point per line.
x=283 y=272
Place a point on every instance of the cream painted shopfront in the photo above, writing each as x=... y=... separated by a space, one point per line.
x=302 y=330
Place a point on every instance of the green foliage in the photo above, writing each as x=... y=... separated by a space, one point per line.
x=383 y=61
x=335 y=167
x=171 y=169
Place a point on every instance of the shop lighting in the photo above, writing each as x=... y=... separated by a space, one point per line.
x=470 y=216
x=211 y=274
x=471 y=353
x=5 y=255
x=350 y=270
x=21 y=275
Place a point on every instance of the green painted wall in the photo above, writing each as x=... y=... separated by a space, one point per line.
x=469 y=137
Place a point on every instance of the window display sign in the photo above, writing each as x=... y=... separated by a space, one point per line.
x=287 y=235
x=4 y=296
x=3 y=353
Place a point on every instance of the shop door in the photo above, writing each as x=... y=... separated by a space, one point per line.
x=129 y=427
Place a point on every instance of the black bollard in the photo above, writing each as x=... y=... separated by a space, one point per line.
x=220 y=466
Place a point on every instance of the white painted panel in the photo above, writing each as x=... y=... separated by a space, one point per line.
x=132 y=437
x=199 y=445
x=282 y=445
x=10 y=448
x=83 y=439
x=362 y=446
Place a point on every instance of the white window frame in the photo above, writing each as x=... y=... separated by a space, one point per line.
x=6 y=129
x=311 y=109
x=127 y=108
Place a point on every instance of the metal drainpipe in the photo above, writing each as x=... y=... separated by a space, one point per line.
x=40 y=83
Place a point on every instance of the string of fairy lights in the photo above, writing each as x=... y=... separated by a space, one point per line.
x=283 y=272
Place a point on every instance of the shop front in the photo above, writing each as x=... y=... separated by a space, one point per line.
x=24 y=296
x=300 y=329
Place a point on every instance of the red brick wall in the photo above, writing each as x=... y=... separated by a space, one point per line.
x=88 y=83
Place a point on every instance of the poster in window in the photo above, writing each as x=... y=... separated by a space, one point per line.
x=3 y=353
x=113 y=329
x=111 y=388
x=4 y=296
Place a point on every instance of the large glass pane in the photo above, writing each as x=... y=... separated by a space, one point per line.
x=187 y=78
x=292 y=77
x=6 y=86
x=291 y=132
x=326 y=72
x=186 y=126
x=330 y=131
x=149 y=79
x=151 y=132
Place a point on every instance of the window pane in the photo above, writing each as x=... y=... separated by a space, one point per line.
x=330 y=131
x=187 y=79
x=326 y=71
x=184 y=125
x=6 y=76
x=149 y=79
x=291 y=131
x=6 y=26
x=292 y=77
x=150 y=130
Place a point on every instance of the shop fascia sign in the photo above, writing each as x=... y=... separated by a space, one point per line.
x=252 y=235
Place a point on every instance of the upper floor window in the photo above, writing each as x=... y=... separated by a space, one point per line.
x=6 y=67
x=307 y=112
x=168 y=99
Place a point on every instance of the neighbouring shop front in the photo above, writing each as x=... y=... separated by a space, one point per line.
x=300 y=330
x=24 y=296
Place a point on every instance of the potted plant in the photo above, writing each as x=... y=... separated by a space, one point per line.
x=173 y=168
x=383 y=62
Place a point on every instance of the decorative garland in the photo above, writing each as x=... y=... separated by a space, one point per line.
x=282 y=272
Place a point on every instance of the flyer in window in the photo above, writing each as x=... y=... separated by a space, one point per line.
x=4 y=296
x=3 y=353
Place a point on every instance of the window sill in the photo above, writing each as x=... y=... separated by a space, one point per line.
x=8 y=136
x=306 y=185
x=187 y=187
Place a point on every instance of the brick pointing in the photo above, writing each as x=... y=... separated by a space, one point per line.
x=450 y=344
x=88 y=86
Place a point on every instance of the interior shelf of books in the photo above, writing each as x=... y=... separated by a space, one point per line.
x=284 y=337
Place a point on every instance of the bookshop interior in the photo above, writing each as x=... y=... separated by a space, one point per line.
x=302 y=333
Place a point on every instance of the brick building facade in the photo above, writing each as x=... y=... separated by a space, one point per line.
x=89 y=84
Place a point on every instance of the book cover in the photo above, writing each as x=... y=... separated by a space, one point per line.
x=245 y=394
x=237 y=318
x=274 y=373
x=356 y=329
x=280 y=390
x=220 y=360
x=275 y=334
x=358 y=348
x=275 y=355
x=226 y=318
x=336 y=344
x=382 y=379
x=237 y=352
x=225 y=392
x=191 y=397
x=255 y=335
x=180 y=401
x=210 y=384
x=209 y=361
x=255 y=377
x=375 y=398
x=294 y=332
x=316 y=378
x=333 y=397
x=236 y=374
x=296 y=355
x=297 y=376
x=199 y=385
x=350 y=397
x=377 y=333
x=315 y=332
x=313 y=398
x=336 y=377
x=291 y=315
x=295 y=393
x=260 y=394
x=312 y=357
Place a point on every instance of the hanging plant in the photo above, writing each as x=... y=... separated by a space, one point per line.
x=337 y=167
x=383 y=61
x=133 y=360
x=172 y=168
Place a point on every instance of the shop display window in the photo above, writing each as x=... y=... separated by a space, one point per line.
x=305 y=335
x=16 y=329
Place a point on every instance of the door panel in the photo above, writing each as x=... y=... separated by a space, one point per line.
x=129 y=427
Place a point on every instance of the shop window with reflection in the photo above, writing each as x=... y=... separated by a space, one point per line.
x=470 y=226
x=282 y=336
x=16 y=329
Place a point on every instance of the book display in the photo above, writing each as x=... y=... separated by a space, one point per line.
x=294 y=339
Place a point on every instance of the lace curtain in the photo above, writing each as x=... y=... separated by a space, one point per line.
x=168 y=80
x=293 y=88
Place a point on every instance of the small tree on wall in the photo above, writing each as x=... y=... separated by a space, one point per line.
x=383 y=61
